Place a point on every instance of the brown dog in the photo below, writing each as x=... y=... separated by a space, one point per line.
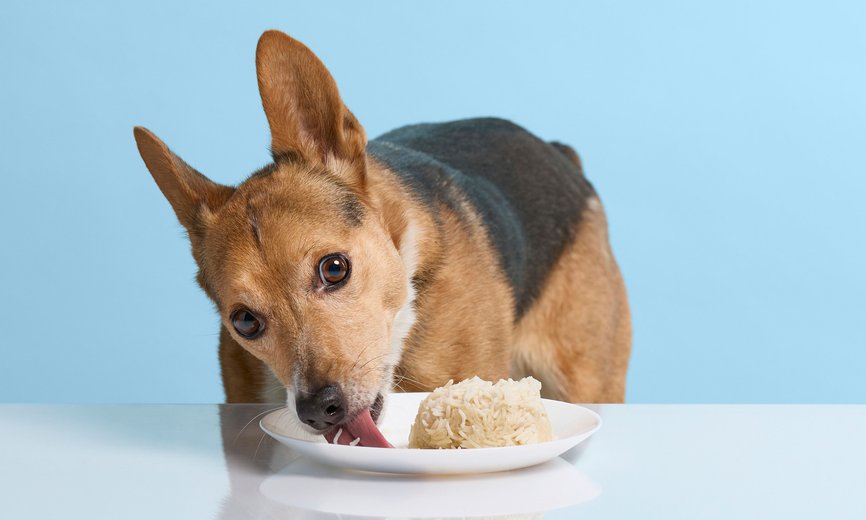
x=347 y=269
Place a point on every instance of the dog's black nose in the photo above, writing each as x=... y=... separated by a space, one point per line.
x=322 y=409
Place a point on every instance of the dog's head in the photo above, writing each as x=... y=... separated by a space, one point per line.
x=303 y=266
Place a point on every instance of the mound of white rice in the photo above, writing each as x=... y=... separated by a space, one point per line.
x=479 y=414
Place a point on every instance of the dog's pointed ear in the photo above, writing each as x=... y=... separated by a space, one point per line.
x=192 y=195
x=303 y=106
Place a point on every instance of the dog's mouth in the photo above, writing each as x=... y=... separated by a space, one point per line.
x=361 y=430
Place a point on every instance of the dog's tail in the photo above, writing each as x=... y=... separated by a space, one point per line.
x=569 y=152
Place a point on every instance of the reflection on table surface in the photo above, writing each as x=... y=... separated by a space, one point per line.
x=307 y=485
x=208 y=461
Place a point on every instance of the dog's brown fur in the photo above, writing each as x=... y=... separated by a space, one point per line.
x=576 y=338
x=256 y=245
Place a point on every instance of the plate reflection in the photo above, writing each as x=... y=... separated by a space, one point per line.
x=308 y=486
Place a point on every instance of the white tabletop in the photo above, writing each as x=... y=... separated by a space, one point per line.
x=647 y=461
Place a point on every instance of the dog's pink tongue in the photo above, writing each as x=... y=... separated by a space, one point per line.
x=361 y=427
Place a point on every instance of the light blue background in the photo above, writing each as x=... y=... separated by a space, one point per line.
x=726 y=139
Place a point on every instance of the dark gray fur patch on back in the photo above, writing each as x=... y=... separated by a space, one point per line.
x=529 y=194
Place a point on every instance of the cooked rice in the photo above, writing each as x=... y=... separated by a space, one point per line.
x=479 y=414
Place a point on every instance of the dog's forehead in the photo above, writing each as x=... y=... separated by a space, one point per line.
x=280 y=218
x=301 y=192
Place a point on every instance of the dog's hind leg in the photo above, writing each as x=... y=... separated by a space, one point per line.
x=576 y=338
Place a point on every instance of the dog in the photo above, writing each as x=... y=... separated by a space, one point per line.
x=347 y=269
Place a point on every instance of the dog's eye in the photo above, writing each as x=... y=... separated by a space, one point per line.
x=247 y=324
x=333 y=269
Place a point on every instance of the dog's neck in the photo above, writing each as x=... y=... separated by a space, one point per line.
x=412 y=233
x=411 y=228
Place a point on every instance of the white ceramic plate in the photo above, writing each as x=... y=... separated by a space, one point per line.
x=571 y=424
